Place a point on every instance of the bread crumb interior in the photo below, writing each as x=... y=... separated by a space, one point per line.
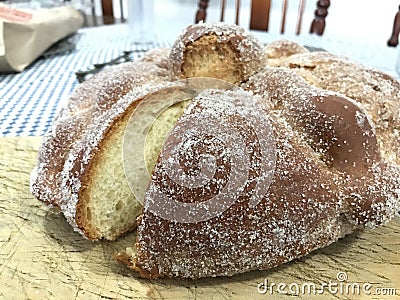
x=111 y=206
x=206 y=57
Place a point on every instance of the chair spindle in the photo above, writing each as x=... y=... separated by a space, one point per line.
x=394 y=39
x=201 y=11
x=223 y=4
x=302 y=4
x=284 y=11
x=237 y=12
x=318 y=24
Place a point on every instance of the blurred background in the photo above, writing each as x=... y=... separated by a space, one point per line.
x=365 y=21
x=358 y=29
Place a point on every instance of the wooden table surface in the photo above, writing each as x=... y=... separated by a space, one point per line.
x=42 y=258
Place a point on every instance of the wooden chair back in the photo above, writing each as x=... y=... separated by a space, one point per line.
x=107 y=14
x=260 y=14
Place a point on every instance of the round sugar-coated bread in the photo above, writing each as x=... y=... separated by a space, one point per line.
x=336 y=138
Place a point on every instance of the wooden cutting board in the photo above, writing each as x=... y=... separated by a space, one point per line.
x=42 y=258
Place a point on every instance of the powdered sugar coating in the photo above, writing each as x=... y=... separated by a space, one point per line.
x=126 y=78
x=379 y=93
x=194 y=128
x=310 y=59
x=294 y=100
x=300 y=211
x=309 y=204
x=283 y=48
x=158 y=56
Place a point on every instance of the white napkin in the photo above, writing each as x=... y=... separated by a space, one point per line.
x=25 y=33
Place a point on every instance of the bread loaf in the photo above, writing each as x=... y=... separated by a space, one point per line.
x=242 y=178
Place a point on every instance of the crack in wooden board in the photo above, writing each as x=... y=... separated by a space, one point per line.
x=42 y=258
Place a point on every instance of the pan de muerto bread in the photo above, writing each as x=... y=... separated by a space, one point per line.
x=243 y=178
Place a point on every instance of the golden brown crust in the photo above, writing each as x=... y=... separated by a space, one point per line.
x=309 y=204
x=86 y=106
x=337 y=126
x=299 y=213
x=124 y=259
x=376 y=91
x=159 y=57
x=340 y=130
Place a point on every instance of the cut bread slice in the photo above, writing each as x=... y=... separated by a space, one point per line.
x=187 y=229
x=96 y=196
x=87 y=103
x=97 y=199
x=241 y=238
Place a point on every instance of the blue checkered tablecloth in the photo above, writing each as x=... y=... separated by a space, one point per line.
x=30 y=100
